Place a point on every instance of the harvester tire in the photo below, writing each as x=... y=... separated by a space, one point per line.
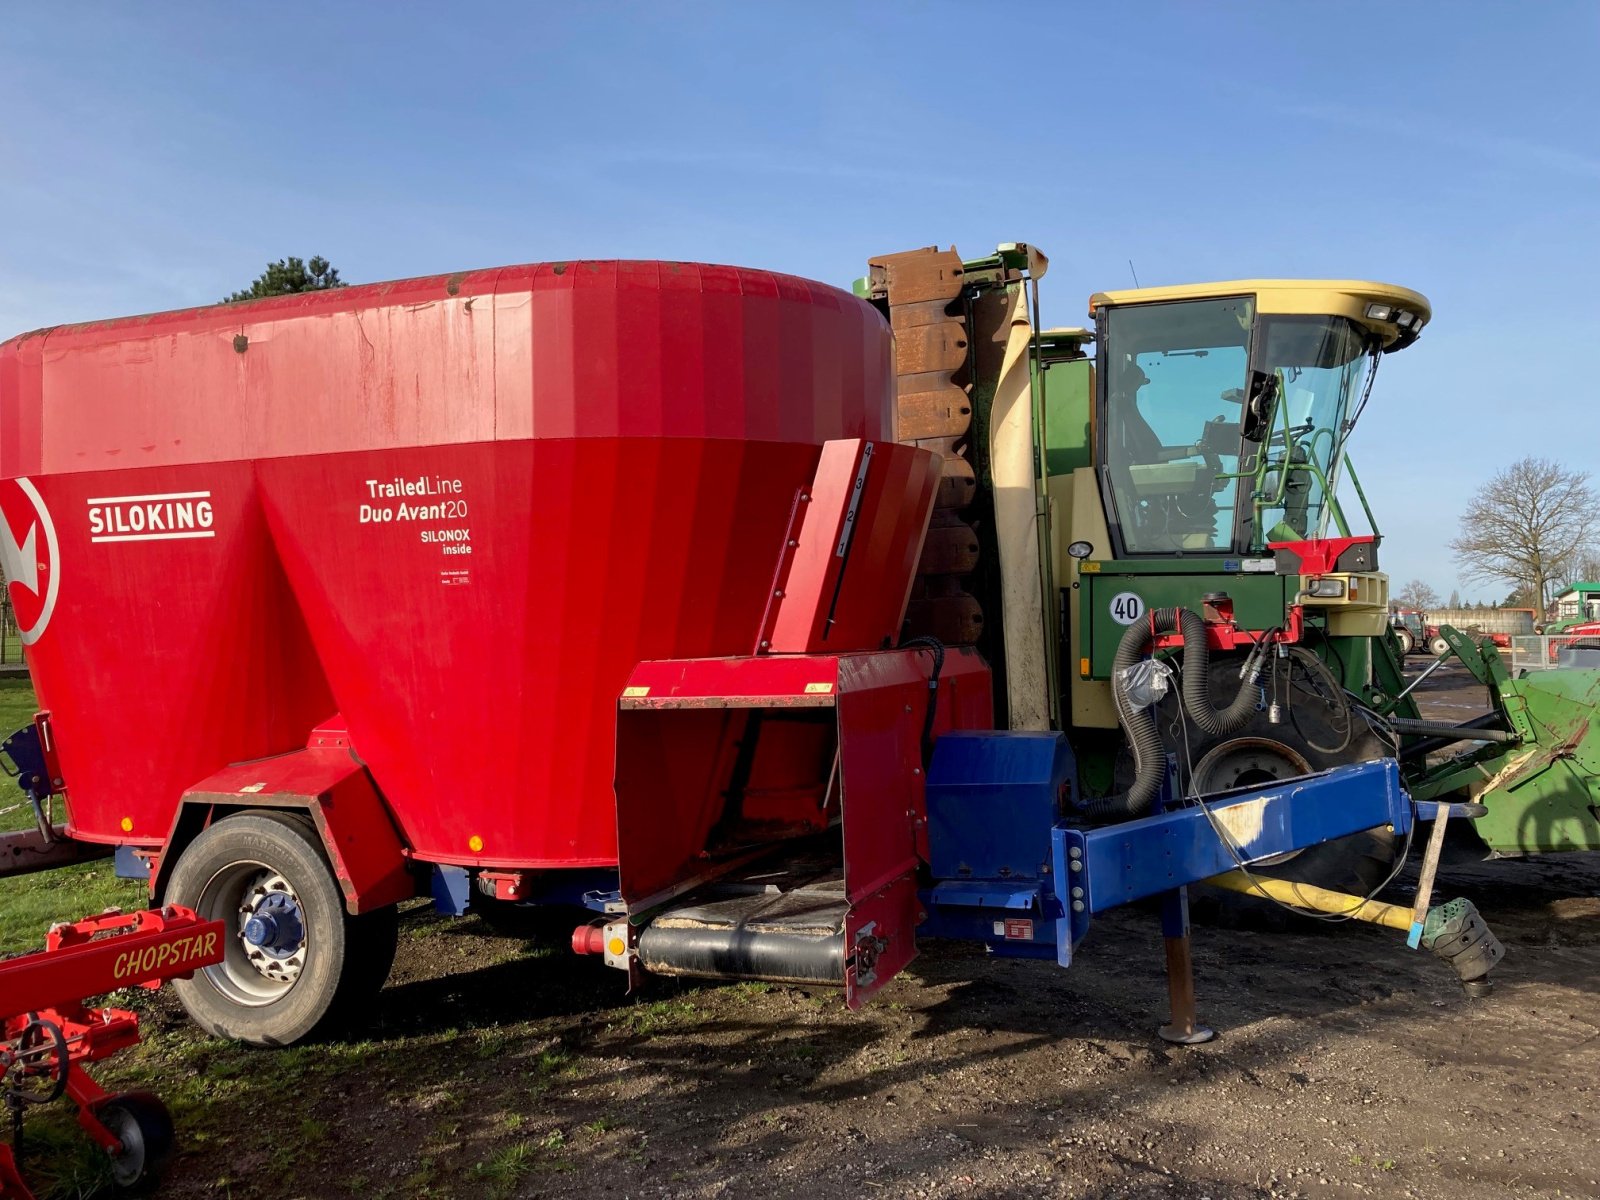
x=322 y=963
x=1358 y=864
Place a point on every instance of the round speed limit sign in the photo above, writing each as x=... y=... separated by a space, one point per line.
x=1126 y=608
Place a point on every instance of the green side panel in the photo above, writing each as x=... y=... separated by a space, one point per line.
x=1066 y=416
x=1259 y=602
x=1547 y=795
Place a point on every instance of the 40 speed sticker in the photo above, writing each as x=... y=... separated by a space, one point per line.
x=1126 y=607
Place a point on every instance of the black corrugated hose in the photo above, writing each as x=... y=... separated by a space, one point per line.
x=1149 y=759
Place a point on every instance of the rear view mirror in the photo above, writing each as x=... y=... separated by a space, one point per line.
x=1263 y=392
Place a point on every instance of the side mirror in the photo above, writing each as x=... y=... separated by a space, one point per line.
x=1263 y=393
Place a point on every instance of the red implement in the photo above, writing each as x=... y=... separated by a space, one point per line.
x=50 y=1033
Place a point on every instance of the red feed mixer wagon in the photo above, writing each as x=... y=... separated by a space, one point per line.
x=569 y=584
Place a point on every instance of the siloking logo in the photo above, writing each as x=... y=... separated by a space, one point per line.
x=29 y=556
x=162 y=517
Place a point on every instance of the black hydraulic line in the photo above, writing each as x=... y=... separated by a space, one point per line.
x=936 y=648
x=1428 y=745
x=1455 y=733
x=1144 y=738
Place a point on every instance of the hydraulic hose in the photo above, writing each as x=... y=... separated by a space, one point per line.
x=1139 y=723
x=935 y=647
x=1197 y=675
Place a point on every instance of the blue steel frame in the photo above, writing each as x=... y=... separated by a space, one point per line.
x=1123 y=863
x=1094 y=870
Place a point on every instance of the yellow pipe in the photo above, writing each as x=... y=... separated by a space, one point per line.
x=1317 y=899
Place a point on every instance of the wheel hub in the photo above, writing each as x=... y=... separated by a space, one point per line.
x=272 y=928
x=276 y=927
x=1247 y=762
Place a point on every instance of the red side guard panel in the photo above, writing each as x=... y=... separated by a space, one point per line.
x=859 y=533
x=721 y=760
x=363 y=847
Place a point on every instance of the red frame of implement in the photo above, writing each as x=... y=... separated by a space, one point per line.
x=89 y=958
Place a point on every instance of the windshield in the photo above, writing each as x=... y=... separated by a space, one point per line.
x=1321 y=365
x=1174 y=378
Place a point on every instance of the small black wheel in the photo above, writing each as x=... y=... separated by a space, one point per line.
x=144 y=1127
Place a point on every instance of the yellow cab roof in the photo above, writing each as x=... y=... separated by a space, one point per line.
x=1299 y=297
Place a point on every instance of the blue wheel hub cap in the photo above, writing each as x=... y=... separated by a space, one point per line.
x=276 y=927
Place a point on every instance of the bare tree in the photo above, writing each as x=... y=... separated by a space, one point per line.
x=1525 y=524
x=1417 y=595
x=1582 y=567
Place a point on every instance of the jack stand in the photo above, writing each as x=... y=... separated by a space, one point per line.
x=1430 y=867
x=1184 y=1028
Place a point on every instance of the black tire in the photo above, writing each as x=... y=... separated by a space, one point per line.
x=144 y=1127
x=1438 y=647
x=285 y=994
x=1408 y=643
x=1260 y=752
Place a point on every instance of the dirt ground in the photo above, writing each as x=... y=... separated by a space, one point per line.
x=1346 y=1066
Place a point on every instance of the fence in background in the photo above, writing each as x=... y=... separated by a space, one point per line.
x=1541 y=653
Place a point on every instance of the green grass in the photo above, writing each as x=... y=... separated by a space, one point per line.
x=30 y=904
x=17 y=704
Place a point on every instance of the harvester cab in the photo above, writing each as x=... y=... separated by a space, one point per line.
x=1223 y=410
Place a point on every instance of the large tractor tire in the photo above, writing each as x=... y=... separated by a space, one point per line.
x=1408 y=641
x=1307 y=738
x=296 y=963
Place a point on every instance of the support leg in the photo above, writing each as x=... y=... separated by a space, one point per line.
x=1184 y=1029
x=1430 y=867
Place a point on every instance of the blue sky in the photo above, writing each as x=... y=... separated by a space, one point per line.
x=156 y=156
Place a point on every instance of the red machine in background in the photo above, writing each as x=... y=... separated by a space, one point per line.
x=50 y=1033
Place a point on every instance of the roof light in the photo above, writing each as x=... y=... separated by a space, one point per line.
x=1380 y=312
x=1404 y=320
